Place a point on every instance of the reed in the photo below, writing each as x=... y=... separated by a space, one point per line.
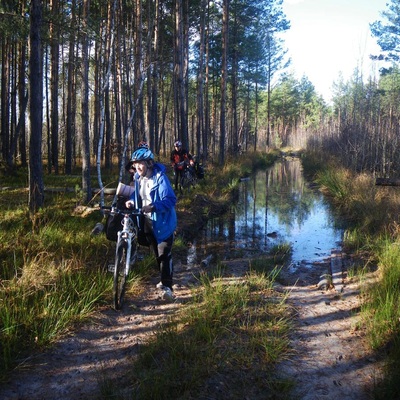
x=41 y=304
x=382 y=308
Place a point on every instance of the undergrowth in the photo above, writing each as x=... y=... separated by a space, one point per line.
x=374 y=237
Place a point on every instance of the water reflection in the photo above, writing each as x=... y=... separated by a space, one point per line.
x=275 y=206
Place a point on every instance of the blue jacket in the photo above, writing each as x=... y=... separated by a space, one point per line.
x=163 y=200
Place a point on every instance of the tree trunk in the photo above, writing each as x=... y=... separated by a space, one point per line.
x=107 y=104
x=139 y=125
x=23 y=94
x=23 y=102
x=255 y=120
x=106 y=61
x=86 y=184
x=120 y=113
x=70 y=96
x=5 y=115
x=36 y=186
x=180 y=91
x=233 y=138
x=200 y=80
x=48 y=119
x=54 y=35
x=149 y=133
x=185 y=71
x=206 y=132
x=154 y=117
x=224 y=76
x=98 y=71
x=13 y=100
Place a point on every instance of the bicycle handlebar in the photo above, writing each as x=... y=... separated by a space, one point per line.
x=116 y=210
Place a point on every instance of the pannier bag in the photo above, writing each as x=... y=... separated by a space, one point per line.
x=114 y=222
x=113 y=225
x=199 y=170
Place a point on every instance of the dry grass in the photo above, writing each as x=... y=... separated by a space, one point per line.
x=373 y=232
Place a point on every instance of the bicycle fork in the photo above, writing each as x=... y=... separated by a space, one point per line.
x=125 y=240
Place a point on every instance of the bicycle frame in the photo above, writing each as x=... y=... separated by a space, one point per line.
x=188 y=178
x=123 y=252
x=128 y=232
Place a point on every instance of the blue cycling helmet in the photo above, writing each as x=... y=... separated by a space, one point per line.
x=142 y=154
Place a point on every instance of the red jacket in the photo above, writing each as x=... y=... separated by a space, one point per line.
x=179 y=158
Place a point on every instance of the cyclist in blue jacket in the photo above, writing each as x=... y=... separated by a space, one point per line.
x=155 y=196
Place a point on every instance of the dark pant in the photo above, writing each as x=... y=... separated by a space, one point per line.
x=178 y=176
x=163 y=254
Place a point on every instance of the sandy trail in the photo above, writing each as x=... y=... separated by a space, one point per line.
x=330 y=359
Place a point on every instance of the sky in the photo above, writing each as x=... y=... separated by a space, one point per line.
x=331 y=37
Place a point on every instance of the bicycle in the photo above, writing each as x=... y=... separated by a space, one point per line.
x=125 y=251
x=188 y=178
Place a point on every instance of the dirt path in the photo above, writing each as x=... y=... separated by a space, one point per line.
x=330 y=359
x=75 y=367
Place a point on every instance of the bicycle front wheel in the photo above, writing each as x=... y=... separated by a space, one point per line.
x=120 y=274
x=185 y=180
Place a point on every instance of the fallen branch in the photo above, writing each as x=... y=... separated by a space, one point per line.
x=108 y=191
x=387 y=182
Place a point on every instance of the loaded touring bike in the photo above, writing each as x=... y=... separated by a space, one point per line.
x=126 y=251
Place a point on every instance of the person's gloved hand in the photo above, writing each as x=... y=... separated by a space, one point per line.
x=130 y=204
x=147 y=209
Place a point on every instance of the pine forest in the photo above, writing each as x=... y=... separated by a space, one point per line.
x=84 y=81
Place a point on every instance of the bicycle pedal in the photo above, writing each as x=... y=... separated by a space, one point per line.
x=111 y=268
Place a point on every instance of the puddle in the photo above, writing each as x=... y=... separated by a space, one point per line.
x=275 y=206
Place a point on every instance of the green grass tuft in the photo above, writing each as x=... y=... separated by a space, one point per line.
x=229 y=328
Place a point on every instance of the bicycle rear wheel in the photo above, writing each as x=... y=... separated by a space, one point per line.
x=120 y=274
x=186 y=180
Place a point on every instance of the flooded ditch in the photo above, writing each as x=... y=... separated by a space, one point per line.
x=274 y=206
